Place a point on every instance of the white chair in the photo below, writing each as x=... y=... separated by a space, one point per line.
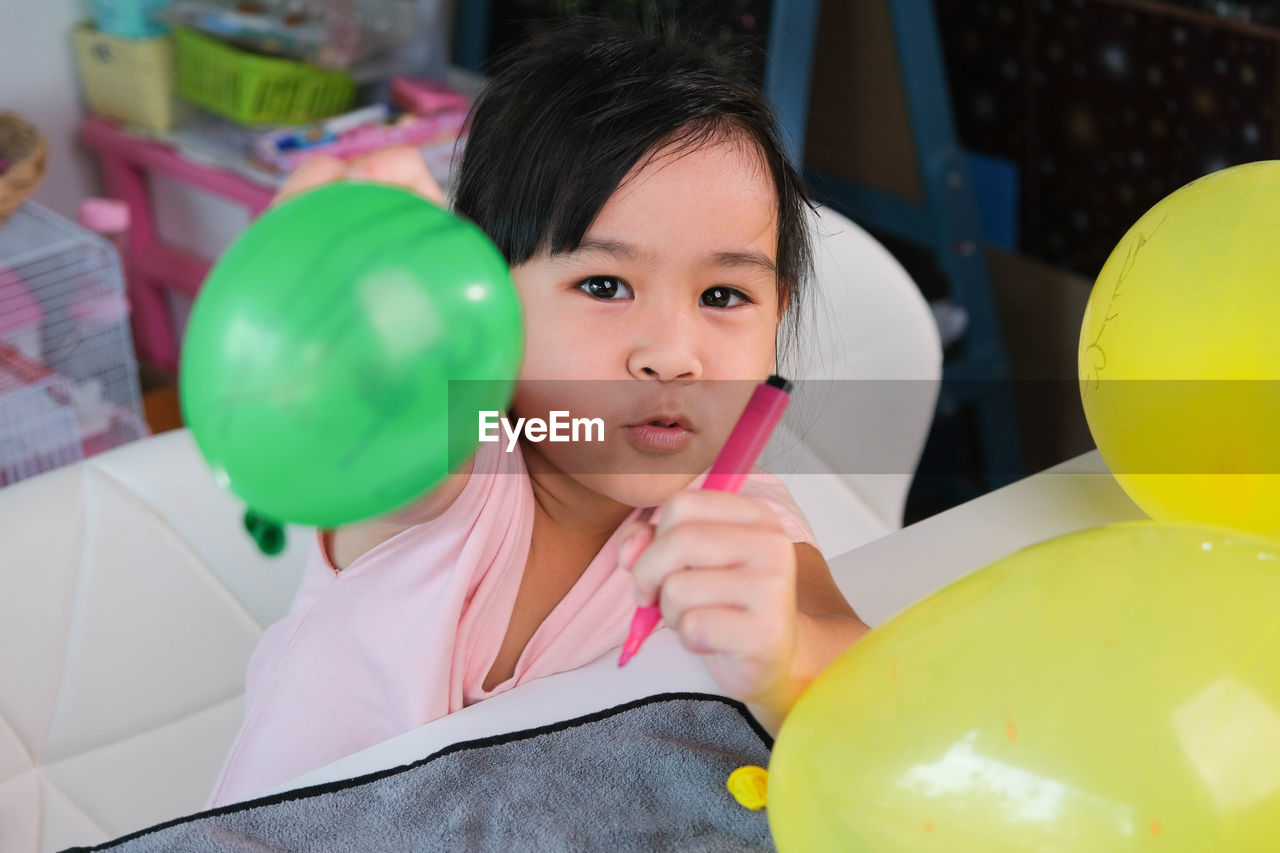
x=869 y=368
x=132 y=600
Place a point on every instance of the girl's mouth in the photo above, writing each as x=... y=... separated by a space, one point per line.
x=659 y=436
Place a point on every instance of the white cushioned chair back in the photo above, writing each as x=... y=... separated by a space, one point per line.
x=869 y=363
x=132 y=600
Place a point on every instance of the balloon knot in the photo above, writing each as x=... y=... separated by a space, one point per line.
x=749 y=786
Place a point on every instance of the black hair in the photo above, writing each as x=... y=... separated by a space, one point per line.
x=568 y=114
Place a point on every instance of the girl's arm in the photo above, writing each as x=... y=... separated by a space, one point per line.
x=402 y=166
x=826 y=626
x=346 y=544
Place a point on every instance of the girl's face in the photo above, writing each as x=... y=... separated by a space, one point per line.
x=674 y=284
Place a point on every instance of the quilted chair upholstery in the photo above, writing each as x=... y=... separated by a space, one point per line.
x=132 y=600
x=131 y=604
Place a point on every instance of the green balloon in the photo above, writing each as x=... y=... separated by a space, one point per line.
x=339 y=351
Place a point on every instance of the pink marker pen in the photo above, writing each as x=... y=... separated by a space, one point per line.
x=727 y=474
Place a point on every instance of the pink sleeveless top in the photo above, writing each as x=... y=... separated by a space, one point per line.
x=408 y=632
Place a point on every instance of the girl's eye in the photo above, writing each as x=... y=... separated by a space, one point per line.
x=723 y=297
x=605 y=287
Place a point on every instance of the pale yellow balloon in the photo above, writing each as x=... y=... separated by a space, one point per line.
x=1180 y=354
x=1112 y=690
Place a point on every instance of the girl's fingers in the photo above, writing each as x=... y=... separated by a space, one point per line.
x=313 y=172
x=690 y=589
x=707 y=505
x=726 y=631
x=708 y=544
x=631 y=528
x=633 y=539
x=400 y=165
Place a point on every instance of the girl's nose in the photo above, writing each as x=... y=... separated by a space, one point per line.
x=663 y=347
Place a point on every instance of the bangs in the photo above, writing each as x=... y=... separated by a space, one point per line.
x=567 y=116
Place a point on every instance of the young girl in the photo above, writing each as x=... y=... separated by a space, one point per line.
x=657 y=236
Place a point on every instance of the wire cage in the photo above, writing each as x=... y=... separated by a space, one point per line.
x=68 y=376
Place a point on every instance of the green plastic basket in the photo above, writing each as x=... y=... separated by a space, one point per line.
x=254 y=89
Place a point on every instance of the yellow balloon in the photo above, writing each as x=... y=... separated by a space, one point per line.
x=1180 y=354
x=1111 y=690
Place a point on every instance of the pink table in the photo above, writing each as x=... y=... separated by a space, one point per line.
x=150 y=264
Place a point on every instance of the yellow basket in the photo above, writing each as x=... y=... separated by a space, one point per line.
x=130 y=80
x=254 y=89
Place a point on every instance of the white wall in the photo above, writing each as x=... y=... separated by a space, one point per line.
x=38 y=79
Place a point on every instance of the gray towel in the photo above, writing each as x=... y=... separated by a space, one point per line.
x=648 y=775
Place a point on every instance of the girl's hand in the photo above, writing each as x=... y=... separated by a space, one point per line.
x=724 y=572
x=400 y=165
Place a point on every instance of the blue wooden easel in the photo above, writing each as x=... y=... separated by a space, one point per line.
x=946 y=222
